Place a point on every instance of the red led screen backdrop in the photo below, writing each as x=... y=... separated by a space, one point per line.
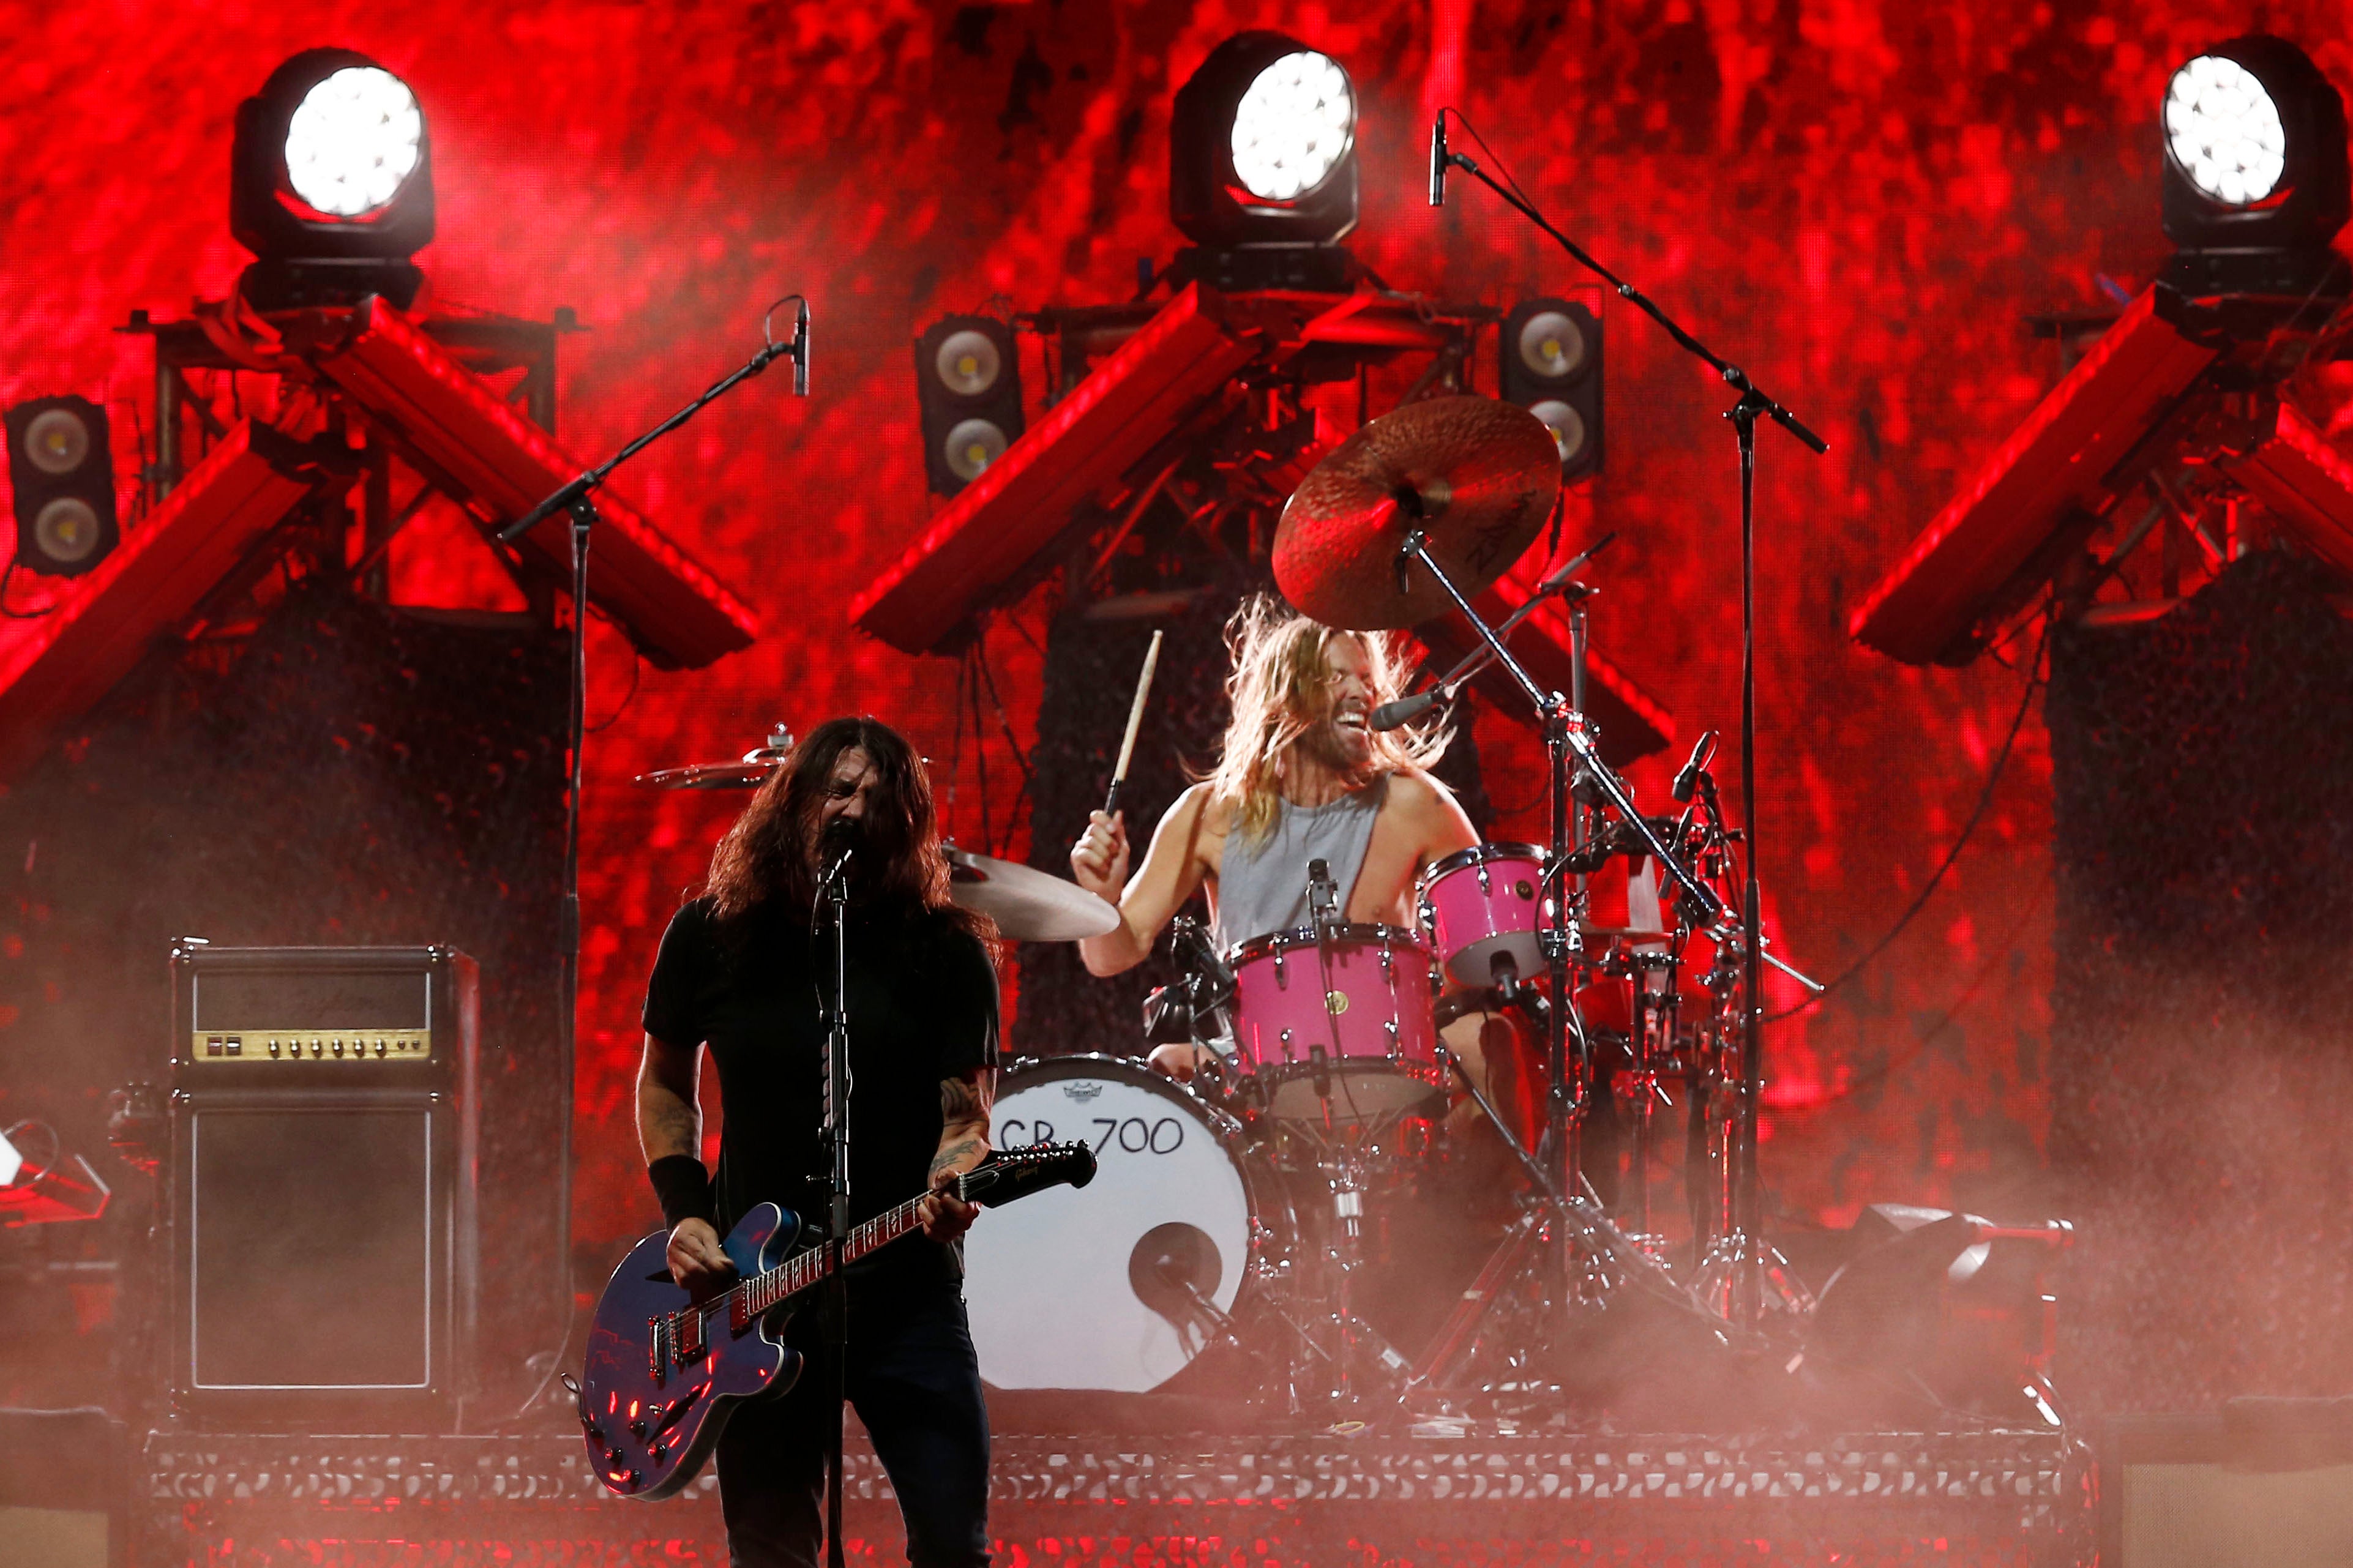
x=1860 y=200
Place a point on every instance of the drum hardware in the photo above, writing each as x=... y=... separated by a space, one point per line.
x=749 y=771
x=1337 y=527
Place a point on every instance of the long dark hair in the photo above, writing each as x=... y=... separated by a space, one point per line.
x=766 y=858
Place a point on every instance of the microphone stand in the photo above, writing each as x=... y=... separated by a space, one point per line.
x=1747 y=1301
x=1389 y=715
x=835 y=1138
x=577 y=497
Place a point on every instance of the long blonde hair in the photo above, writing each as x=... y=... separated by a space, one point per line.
x=1278 y=694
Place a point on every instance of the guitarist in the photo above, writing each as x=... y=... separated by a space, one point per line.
x=738 y=975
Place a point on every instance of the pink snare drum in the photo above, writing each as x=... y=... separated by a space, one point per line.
x=1367 y=1034
x=1481 y=904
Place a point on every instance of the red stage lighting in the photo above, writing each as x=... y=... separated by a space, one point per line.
x=1992 y=543
x=1021 y=503
x=53 y=669
x=453 y=426
x=2306 y=482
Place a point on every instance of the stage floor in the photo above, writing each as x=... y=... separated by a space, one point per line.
x=1267 y=1501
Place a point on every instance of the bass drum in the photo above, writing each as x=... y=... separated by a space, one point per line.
x=1093 y=1289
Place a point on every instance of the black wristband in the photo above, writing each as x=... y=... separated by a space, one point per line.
x=684 y=1188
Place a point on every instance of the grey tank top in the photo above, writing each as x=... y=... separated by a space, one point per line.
x=1262 y=886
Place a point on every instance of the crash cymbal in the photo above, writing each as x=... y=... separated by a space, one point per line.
x=1479 y=476
x=1027 y=904
x=750 y=772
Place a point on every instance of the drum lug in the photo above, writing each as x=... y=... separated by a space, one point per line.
x=1486 y=884
x=1285 y=1038
x=1392 y=1026
x=1281 y=983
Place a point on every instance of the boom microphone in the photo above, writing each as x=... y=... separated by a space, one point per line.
x=1438 y=162
x=1688 y=780
x=800 y=352
x=1405 y=710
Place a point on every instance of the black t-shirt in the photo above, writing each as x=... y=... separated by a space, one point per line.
x=923 y=1009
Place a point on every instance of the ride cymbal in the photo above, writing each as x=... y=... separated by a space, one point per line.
x=1478 y=476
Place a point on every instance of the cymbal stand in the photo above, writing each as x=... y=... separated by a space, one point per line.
x=1752 y=404
x=1737 y=1273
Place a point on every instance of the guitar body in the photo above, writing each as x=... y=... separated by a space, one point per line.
x=641 y=1442
x=664 y=1371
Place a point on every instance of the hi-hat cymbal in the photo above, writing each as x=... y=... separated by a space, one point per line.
x=1027 y=904
x=1478 y=476
x=750 y=772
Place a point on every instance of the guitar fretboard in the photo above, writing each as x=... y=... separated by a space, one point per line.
x=754 y=1295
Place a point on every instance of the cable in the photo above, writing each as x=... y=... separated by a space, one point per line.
x=637 y=674
x=2035 y=681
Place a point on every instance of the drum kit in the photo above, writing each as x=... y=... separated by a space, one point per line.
x=1499 y=1076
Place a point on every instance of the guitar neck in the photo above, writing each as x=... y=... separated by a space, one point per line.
x=798 y=1273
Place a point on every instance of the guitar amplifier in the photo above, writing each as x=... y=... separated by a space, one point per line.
x=322 y=1207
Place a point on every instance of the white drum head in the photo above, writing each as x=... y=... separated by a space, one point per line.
x=1051 y=1282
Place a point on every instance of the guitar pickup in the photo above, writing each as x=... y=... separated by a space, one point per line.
x=686 y=1336
x=657 y=1338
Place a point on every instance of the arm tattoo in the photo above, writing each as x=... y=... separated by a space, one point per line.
x=965 y=1103
x=968 y=1097
x=957 y=1154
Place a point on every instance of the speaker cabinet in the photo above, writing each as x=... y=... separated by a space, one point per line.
x=2261 y=1484
x=322 y=1207
x=65 y=1490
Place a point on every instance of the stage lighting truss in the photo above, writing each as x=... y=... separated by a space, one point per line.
x=2174 y=429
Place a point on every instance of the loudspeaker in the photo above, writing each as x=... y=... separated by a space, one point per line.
x=324 y=1143
x=2263 y=1484
x=65 y=1490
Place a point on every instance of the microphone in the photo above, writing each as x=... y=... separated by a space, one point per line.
x=1405 y=710
x=801 y=355
x=837 y=838
x=1438 y=162
x=1688 y=780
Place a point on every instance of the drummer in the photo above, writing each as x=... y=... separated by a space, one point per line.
x=1302 y=776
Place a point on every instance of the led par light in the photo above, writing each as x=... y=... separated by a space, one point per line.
x=62 y=477
x=969 y=386
x=1550 y=364
x=2255 y=183
x=1262 y=157
x=331 y=184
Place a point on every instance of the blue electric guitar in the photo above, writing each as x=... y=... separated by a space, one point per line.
x=665 y=1371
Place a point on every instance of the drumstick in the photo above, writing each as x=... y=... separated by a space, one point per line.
x=1135 y=718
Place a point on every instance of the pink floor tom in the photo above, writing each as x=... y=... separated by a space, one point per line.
x=1347 y=1025
x=1481 y=904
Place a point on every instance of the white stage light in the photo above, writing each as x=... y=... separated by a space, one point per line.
x=2225 y=130
x=355 y=137
x=1293 y=125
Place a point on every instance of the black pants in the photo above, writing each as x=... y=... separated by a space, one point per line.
x=915 y=1382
